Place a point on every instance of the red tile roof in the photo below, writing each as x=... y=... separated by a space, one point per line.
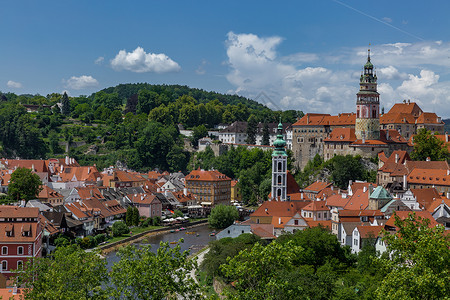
x=369 y=231
x=359 y=200
x=311 y=223
x=143 y=198
x=48 y=193
x=85 y=173
x=202 y=175
x=342 y=135
x=404 y=214
x=316 y=206
x=435 y=177
x=336 y=201
x=279 y=209
x=317 y=186
x=409 y=108
x=429 y=118
x=311 y=119
x=425 y=197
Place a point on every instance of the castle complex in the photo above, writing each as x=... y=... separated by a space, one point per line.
x=365 y=133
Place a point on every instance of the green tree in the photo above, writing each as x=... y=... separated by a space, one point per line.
x=223 y=216
x=24 y=185
x=142 y=274
x=147 y=100
x=177 y=213
x=71 y=273
x=266 y=135
x=419 y=267
x=198 y=132
x=345 y=168
x=54 y=142
x=129 y=216
x=256 y=273
x=252 y=129
x=427 y=145
x=65 y=105
x=135 y=217
x=119 y=228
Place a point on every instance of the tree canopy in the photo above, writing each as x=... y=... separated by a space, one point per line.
x=24 y=185
x=223 y=216
x=427 y=145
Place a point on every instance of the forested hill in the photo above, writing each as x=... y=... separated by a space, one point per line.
x=173 y=92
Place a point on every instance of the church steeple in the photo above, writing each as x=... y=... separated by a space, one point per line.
x=367 y=104
x=279 y=167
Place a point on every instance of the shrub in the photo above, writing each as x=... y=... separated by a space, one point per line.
x=119 y=228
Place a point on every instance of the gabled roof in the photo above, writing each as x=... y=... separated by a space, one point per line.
x=311 y=119
x=436 y=203
x=85 y=173
x=425 y=197
x=380 y=193
x=278 y=208
x=406 y=107
x=143 y=198
x=336 y=201
x=342 y=135
x=202 y=175
x=264 y=231
x=429 y=118
x=89 y=192
x=76 y=210
x=397 y=118
x=317 y=186
x=359 y=200
x=10 y=211
x=38 y=165
x=316 y=206
x=236 y=127
x=395 y=161
x=48 y=193
x=369 y=231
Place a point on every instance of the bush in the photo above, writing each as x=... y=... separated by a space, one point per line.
x=119 y=228
x=156 y=221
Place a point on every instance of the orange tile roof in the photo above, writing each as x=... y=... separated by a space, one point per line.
x=444 y=138
x=48 y=225
x=429 y=177
x=341 y=135
x=5 y=177
x=359 y=200
x=233 y=183
x=336 y=201
x=143 y=198
x=311 y=223
x=202 y=175
x=311 y=119
x=17 y=228
x=359 y=213
x=89 y=192
x=316 y=206
x=125 y=176
x=7 y=293
x=279 y=222
x=430 y=165
x=85 y=173
x=390 y=165
x=397 y=118
x=343 y=119
x=425 y=197
x=356 y=186
x=317 y=186
x=404 y=214
x=154 y=175
x=434 y=204
x=76 y=209
x=10 y=211
x=369 y=231
x=327 y=192
x=409 y=108
x=278 y=209
x=429 y=118
x=182 y=198
x=292 y=186
x=97 y=204
x=48 y=193
x=264 y=231
x=39 y=165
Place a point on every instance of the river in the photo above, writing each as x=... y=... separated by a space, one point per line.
x=191 y=242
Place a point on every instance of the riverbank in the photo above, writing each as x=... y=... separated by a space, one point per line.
x=105 y=249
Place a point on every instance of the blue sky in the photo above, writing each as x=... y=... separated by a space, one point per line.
x=304 y=55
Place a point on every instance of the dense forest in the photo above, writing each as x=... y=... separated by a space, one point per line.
x=136 y=124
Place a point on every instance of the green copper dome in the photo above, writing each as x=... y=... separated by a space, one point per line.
x=279 y=143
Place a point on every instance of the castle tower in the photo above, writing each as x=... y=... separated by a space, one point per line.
x=368 y=105
x=279 y=167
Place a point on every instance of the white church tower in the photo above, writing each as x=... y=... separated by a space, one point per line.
x=279 y=167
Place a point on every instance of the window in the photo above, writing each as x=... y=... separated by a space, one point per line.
x=355 y=242
x=280 y=166
x=295 y=222
x=19 y=264
x=20 y=250
x=4 y=265
x=279 y=179
x=4 y=250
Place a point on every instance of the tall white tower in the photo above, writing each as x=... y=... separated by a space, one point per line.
x=279 y=167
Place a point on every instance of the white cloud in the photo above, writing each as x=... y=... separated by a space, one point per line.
x=329 y=83
x=99 y=60
x=14 y=84
x=201 y=68
x=387 y=19
x=139 y=61
x=79 y=83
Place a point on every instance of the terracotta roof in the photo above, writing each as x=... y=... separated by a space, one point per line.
x=429 y=177
x=369 y=143
x=433 y=205
x=233 y=183
x=444 y=138
x=397 y=118
x=311 y=119
x=341 y=135
x=292 y=186
x=85 y=173
x=278 y=209
x=425 y=197
x=317 y=186
x=431 y=165
x=9 y=211
x=360 y=213
x=382 y=156
x=409 y=108
x=97 y=204
x=369 y=231
x=182 y=198
x=359 y=200
x=343 y=119
x=336 y=201
x=390 y=164
x=49 y=226
x=279 y=222
x=5 y=176
x=114 y=206
x=404 y=214
x=7 y=293
x=311 y=223
x=202 y=175
x=358 y=185
x=429 y=118
x=17 y=229
x=76 y=210
x=48 y=193
x=154 y=175
x=124 y=176
x=264 y=231
x=143 y=198
x=316 y=206
x=39 y=165
x=89 y=192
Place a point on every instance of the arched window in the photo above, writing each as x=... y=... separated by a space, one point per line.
x=4 y=250
x=19 y=264
x=279 y=179
x=4 y=265
x=279 y=192
x=280 y=166
x=20 y=250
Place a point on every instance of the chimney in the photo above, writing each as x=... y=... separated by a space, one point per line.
x=448 y=195
x=370 y=189
x=67 y=160
x=396 y=158
x=387 y=134
x=89 y=170
x=448 y=172
x=301 y=196
x=15 y=290
x=364 y=189
x=279 y=220
x=307 y=118
x=158 y=190
x=185 y=191
x=32 y=167
x=404 y=182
